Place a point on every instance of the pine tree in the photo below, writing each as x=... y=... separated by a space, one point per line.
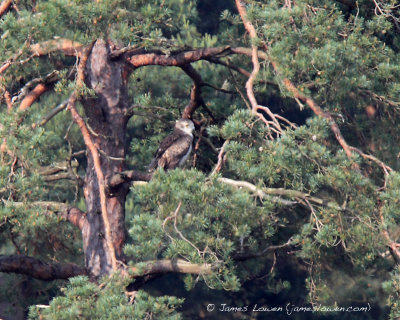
x=291 y=192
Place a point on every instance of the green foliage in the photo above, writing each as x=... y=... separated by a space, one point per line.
x=346 y=59
x=83 y=299
x=212 y=221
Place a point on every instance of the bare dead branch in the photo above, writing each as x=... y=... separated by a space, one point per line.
x=204 y=84
x=33 y=96
x=128 y=176
x=48 y=79
x=68 y=47
x=38 y=269
x=254 y=54
x=62 y=106
x=119 y=52
x=57 y=167
x=272 y=193
x=166 y=266
x=238 y=69
x=175 y=217
x=221 y=158
x=53 y=271
x=59 y=176
x=4 y=6
x=256 y=68
x=177 y=60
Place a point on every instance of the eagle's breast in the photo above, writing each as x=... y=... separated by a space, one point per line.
x=184 y=158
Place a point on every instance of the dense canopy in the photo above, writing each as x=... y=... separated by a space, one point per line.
x=289 y=200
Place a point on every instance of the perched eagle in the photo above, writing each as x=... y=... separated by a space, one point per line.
x=174 y=149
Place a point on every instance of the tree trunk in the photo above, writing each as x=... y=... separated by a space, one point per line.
x=106 y=120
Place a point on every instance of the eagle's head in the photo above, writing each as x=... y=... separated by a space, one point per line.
x=185 y=125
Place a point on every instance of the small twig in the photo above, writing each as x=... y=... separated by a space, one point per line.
x=119 y=52
x=220 y=162
x=386 y=168
x=273 y=264
x=12 y=60
x=242 y=71
x=62 y=106
x=237 y=87
x=212 y=146
x=175 y=216
x=197 y=146
x=204 y=84
x=49 y=78
x=110 y=157
x=246 y=256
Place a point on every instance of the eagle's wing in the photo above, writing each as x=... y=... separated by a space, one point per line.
x=173 y=150
x=177 y=153
x=175 y=138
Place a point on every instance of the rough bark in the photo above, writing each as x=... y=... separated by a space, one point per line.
x=106 y=121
